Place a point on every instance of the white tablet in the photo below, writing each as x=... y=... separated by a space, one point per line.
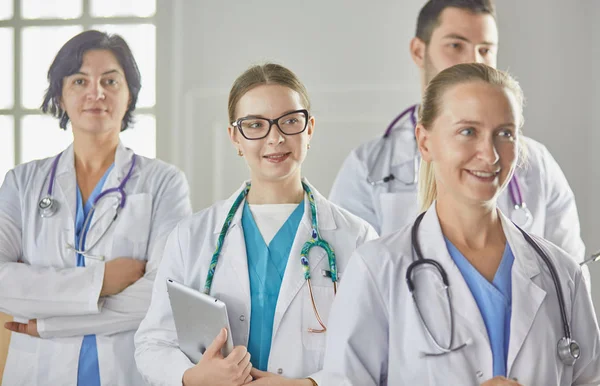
x=198 y=320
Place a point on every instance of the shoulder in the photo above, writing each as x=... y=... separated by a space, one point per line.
x=158 y=169
x=392 y=251
x=564 y=263
x=537 y=155
x=25 y=173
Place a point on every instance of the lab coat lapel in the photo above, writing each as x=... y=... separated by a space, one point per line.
x=106 y=207
x=527 y=297
x=433 y=245
x=65 y=183
x=293 y=279
x=233 y=252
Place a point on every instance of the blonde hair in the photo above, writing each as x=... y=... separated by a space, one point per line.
x=268 y=73
x=431 y=107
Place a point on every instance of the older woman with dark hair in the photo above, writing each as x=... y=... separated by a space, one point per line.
x=82 y=233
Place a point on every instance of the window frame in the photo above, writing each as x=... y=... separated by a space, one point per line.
x=18 y=23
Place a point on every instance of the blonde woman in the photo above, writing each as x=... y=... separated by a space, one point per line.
x=462 y=296
x=248 y=251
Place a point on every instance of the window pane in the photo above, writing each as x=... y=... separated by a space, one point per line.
x=7 y=69
x=55 y=9
x=110 y=8
x=141 y=137
x=41 y=137
x=7 y=145
x=40 y=46
x=6 y=9
x=141 y=38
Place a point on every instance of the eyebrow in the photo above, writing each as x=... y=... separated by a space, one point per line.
x=477 y=123
x=263 y=117
x=464 y=39
x=104 y=73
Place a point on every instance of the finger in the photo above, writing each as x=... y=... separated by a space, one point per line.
x=214 y=350
x=245 y=360
x=17 y=327
x=248 y=379
x=245 y=373
x=257 y=374
x=237 y=355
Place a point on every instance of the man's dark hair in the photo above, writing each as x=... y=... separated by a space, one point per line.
x=429 y=17
x=68 y=61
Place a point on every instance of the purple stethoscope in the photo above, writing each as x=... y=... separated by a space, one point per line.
x=48 y=206
x=520 y=215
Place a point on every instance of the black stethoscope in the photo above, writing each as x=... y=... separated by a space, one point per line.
x=567 y=348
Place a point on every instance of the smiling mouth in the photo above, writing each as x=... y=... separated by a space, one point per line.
x=484 y=175
x=277 y=157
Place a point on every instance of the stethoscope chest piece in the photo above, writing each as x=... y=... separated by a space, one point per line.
x=568 y=351
x=521 y=216
x=47 y=207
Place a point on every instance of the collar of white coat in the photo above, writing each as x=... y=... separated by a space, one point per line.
x=324 y=212
x=123 y=158
x=431 y=239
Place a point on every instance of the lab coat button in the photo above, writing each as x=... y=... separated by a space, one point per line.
x=479 y=374
x=242 y=318
x=279 y=371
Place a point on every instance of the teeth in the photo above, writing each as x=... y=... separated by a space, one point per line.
x=275 y=156
x=483 y=174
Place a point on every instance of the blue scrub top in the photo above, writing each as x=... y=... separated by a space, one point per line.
x=88 y=370
x=266 y=267
x=494 y=301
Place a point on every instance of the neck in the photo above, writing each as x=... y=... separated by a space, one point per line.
x=468 y=225
x=94 y=153
x=288 y=191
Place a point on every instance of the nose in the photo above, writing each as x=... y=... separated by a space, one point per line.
x=487 y=151
x=96 y=91
x=472 y=56
x=275 y=136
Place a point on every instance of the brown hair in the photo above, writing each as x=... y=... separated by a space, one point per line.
x=268 y=73
x=432 y=104
x=429 y=17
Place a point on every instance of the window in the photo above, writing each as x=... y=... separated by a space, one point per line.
x=31 y=33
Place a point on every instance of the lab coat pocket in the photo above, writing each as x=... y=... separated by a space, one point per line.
x=132 y=228
x=20 y=368
x=315 y=341
x=397 y=210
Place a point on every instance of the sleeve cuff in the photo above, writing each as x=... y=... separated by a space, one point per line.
x=96 y=302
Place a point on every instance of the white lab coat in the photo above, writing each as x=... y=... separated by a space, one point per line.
x=391 y=206
x=295 y=352
x=376 y=338
x=64 y=298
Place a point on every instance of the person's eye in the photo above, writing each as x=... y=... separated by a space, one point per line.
x=467 y=132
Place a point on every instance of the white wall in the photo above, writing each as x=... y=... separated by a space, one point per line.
x=353 y=58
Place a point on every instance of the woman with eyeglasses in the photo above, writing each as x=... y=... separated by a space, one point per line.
x=276 y=263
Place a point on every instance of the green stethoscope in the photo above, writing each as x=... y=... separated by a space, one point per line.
x=315 y=241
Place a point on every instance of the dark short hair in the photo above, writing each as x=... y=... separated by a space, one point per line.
x=429 y=17
x=69 y=60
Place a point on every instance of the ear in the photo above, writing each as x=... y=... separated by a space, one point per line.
x=233 y=137
x=423 y=137
x=311 y=127
x=417 y=51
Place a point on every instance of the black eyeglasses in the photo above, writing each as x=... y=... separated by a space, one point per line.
x=258 y=128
